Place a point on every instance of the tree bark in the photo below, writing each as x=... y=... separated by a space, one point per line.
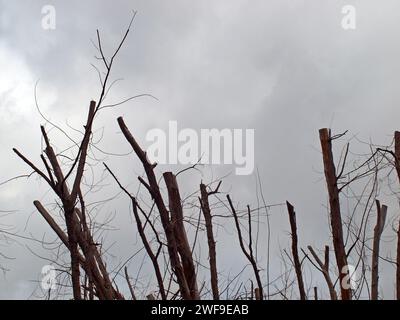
x=380 y=223
x=176 y=211
x=295 y=253
x=335 y=214
x=397 y=166
x=153 y=188
x=78 y=237
x=205 y=208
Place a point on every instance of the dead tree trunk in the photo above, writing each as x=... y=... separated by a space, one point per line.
x=176 y=211
x=154 y=190
x=78 y=237
x=397 y=166
x=335 y=214
x=295 y=253
x=128 y=281
x=249 y=251
x=380 y=223
x=72 y=231
x=205 y=208
x=153 y=256
x=324 y=268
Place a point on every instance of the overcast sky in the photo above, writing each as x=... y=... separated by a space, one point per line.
x=284 y=68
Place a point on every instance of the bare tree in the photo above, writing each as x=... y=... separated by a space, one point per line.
x=324 y=268
x=335 y=214
x=205 y=207
x=397 y=166
x=84 y=251
x=146 y=243
x=179 y=251
x=248 y=252
x=295 y=253
x=380 y=224
x=165 y=222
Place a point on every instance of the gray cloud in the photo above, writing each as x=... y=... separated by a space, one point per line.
x=284 y=68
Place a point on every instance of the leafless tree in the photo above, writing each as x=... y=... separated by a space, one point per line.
x=164 y=223
x=296 y=259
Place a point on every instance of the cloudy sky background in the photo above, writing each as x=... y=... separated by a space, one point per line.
x=285 y=68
